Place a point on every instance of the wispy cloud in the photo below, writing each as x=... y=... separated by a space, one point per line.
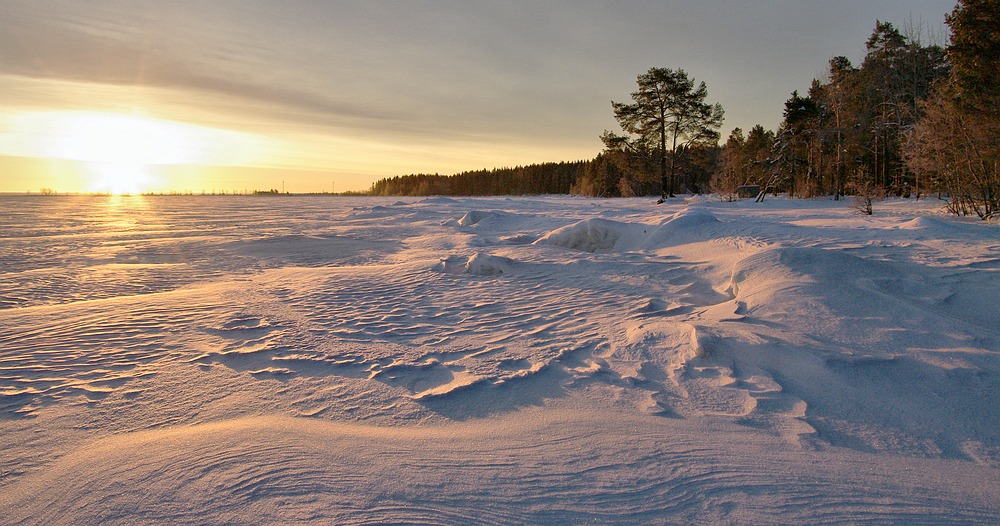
x=38 y=43
x=523 y=74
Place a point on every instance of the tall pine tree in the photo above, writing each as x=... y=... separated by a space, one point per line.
x=666 y=109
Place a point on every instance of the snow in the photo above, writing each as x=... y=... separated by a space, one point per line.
x=217 y=360
x=590 y=235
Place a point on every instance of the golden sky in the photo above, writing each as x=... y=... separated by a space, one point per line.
x=210 y=95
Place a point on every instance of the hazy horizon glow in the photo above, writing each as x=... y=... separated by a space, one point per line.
x=343 y=93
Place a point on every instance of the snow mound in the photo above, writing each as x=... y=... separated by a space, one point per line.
x=693 y=216
x=518 y=239
x=589 y=235
x=437 y=201
x=695 y=199
x=686 y=225
x=474 y=217
x=604 y=235
x=836 y=331
x=844 y=294
x=479 y=264
x=933 y=226
x=920 y=223
x=371 y=212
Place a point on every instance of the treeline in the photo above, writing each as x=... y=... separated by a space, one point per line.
x=621 y=173
x=914 y=117
x=847 y=134
x=599 y=177
x=535 y=179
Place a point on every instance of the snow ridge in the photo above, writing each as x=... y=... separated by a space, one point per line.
x=497 y=361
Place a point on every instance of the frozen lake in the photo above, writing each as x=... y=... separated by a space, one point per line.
x=220 y=359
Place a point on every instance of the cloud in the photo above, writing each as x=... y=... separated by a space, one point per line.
x=542 y=72
x=428 y=71
x=85 y=51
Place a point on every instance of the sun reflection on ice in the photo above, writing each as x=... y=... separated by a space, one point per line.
x=121 y=213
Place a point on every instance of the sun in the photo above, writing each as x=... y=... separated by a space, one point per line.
x=119 y=149
x=120 y=178
x=119 y=152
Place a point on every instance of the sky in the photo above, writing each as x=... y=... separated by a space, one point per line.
x=314 y=96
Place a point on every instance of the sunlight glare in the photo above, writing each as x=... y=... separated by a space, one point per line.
x=120 y=178
x=119 y=151
x=120 y=139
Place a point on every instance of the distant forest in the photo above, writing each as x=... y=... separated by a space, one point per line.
x=546 y=178
x=915 y=117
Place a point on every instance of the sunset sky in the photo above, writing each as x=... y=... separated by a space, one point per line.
x=311 y=96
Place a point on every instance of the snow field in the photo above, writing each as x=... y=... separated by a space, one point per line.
x=497 y=361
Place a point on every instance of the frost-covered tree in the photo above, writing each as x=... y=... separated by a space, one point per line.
x=667 y=109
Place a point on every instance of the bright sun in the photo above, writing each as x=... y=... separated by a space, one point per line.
x=120 y=151
x=120 y=178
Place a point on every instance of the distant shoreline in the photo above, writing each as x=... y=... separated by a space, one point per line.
x=180 y=194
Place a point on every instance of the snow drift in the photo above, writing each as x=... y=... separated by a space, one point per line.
x=496 y=361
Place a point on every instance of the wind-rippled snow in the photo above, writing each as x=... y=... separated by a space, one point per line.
x=496 y=360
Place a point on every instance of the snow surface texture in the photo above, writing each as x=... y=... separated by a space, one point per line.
x=211 y=360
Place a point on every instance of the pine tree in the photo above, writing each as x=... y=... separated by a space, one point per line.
x=734 y=163
x=974 y=52
x=666 y=108
x=839 y=93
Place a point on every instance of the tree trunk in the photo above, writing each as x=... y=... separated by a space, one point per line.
x=667 y=187
x=673 y=154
